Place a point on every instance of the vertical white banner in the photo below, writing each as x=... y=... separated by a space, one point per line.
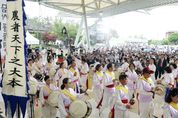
x=3 y=18
x=14 y=80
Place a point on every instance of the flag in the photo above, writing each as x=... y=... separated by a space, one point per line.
x=15 y=78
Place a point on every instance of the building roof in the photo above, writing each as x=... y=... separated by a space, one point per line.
x=107 y=7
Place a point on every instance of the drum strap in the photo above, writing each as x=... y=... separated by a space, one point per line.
x=125 y=90
x=67 y=93
x=174 y=105
x=89 y=109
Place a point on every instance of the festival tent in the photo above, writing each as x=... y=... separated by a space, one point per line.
x=99 y=8
x=31 y=39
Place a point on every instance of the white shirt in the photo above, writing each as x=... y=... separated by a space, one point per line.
x=84 y=68
x=168 y=78
x=170 y=112
x=144 y=89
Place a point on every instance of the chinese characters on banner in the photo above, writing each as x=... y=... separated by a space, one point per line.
x=14 y=80
x=3 y=18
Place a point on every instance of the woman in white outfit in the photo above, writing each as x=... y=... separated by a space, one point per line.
x=48 y=111
x=68 y=95
x=61 y=74
x=167 y=80
x=153 y=68
x=98 y=83
x=132 y=80
x=171 y=109
x=145 y=90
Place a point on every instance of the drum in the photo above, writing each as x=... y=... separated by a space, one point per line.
x=53 y=98
x=89 y=95
x=33 y=87
x=160 y=90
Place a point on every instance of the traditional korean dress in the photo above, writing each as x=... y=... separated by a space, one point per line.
x=145 y=96
x=75 y=77
x=170 y=110
x=122 y=99
x=109 y=90
x=47 y=110
x=132 y=82
x=84 y=74
x=98 y=85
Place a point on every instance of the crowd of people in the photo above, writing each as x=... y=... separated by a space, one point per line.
x=104 y=83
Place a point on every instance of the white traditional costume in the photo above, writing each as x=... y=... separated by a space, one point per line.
x=170 y=110
x=109 y=90
x=153 y=68
x=47 y=110
x=98 y=85
x=145 y=87
x=122 y=99
x=84 y=74
x=132 y=82
x=75 y=77
x=61 y=74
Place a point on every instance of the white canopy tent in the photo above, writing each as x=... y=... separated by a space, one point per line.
x=94 y=8
x=31 y=39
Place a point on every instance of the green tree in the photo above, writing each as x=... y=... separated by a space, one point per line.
x=165 y=42
x=58 y=25
x=155 y=42
x=173 y=38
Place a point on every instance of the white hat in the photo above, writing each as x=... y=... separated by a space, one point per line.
x=80 y=109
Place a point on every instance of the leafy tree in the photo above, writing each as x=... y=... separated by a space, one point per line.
x=165 y=42
x=173 y=38
x=58 y=25
x=48 y=37
x=155 y=42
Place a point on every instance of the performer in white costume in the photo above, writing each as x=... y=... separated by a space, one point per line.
x=153 y=68
x=125 y=65
x=98 y=83
x=75 y=76
x=68 y=96
x=171 y=109
x=109 y=90
x=84 y=69
x=132 y=80
x=47 y=110
x=167 y=80
x=61 y=74
x=122 y=100
x=146 y=93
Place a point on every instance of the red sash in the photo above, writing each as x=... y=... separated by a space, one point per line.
x=67 y=107
x=74 y=81
x=83 y=73
x=125 y=101
x=45 y=97
x=110 y=86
